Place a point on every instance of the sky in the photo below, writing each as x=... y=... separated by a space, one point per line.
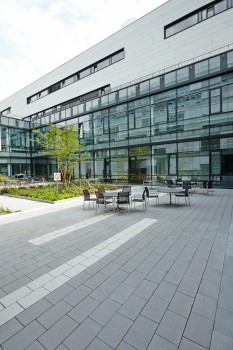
x=37 y=36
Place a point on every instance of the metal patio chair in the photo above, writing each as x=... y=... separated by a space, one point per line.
x=101 y=200
x=123 y=199
x=87 y=197
x=139 y=199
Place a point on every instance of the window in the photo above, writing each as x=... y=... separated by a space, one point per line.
x=132 y=120
x=155 y=84
x=131 y=91
x=123 y=94
x=181 y=25
x=170 y=79
x=210 y=11
x=118 y=56
x=182 y=74
x=85 y=73
x=221 y=6
x=215 y=101
x=103 y=63
x=227 y=98
x=214 y=64
x=201 y=68
x=144 y=87
x=54 y=87
x=43 y=93
x=68 y=81
x=230 y=59
x=197 y=16
x=104 y=121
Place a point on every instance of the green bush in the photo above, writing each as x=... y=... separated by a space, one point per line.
x=49 y=192
x=4 y=190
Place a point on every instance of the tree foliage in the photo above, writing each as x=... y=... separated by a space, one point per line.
x=64 y=145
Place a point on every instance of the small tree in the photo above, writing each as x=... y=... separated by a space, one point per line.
x=64 y=145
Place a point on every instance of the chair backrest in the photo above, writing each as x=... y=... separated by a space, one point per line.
x=144 y=195
x=169 y=183
x=86 y=195
x=101 y=189
x=146 y=191
x=186 y=190
x=205 y=184
x=100 y=198
x=123 y=198
x=126 y=189
x=187 y=184
x=210 y=184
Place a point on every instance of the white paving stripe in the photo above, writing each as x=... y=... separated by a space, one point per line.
x=64 y=231
x=16 y=302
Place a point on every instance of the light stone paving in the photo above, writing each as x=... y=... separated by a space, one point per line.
x=42 y=286
x=59 y=233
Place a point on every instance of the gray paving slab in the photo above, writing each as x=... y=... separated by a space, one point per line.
x=140 y=333
x=170 y=286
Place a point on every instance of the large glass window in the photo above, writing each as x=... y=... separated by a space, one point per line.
x=139 y=163
x=119 y=164
x=193 y=159
x=118 y=127
x=170 y=79
x=131 y=91
x=163 y=160
x=227 y=98
x=85 y=73
x=215 y=101
x=122 y=94
x=155 y=84
x=182 y=75
x=103 y=64
x=221 y=6
x=144 y=87
x=118 y=56
x=230 y=59
x=214 y=64
x=201 y=68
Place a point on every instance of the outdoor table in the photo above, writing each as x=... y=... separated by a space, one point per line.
x=171 y=191
x=113 y=195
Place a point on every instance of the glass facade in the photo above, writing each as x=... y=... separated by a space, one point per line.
x=176 y=125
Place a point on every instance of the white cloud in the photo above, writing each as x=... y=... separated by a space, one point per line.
x=37 y=36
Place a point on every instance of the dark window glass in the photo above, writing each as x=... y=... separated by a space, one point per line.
x=54 y=87
x=118 y=56
x=103 y=63
x=68 y=81
x=85 y=73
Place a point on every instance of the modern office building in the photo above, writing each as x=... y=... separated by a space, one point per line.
x=153 y=100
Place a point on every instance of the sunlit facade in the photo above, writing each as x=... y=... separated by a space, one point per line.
x=154 y=100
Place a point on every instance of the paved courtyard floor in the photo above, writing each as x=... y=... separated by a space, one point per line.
x=159 y=280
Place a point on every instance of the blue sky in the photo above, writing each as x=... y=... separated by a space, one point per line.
x=37 y=36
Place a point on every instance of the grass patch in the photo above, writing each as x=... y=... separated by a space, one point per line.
x=4 y=211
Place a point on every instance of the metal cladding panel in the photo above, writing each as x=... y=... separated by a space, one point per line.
x=146 y=51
